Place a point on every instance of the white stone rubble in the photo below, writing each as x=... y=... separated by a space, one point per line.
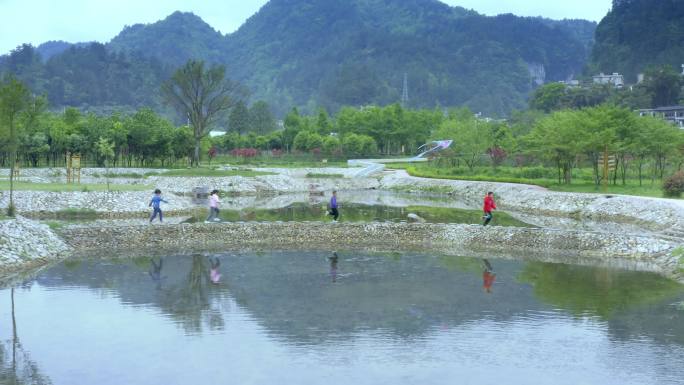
x=26 y=242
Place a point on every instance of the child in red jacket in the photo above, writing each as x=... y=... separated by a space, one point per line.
x=489 y=206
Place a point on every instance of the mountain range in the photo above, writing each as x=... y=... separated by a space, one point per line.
x=324 y=53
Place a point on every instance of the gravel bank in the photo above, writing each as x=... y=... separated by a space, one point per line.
x=650 y=213
x=643 y=253
x=538 y=206
x=25 y=244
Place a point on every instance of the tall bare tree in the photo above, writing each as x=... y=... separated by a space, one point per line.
x=202 y=95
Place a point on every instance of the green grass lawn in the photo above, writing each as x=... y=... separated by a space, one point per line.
x=284 y=161
x=201 y=171
x=76 y=214
x=582 y=182
x=647 y=190
x=28 y=186
x=323 y=175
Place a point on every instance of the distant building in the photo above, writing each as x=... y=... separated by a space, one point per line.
x=215 y=133
x=673 y=114
x=570 y=83
x=615 y=79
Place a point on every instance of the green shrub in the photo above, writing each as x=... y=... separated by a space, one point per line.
x=674 y=185
x=534 y=172
x=76 y=213
x=129 y=175
x=322 y=175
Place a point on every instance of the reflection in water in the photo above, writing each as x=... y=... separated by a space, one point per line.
x=16 y=365
x=599 y=291
x=275 y=318
x=189 y=293
x=155 y=272
x=214 y=273
x=333 y=266
x=488 y=276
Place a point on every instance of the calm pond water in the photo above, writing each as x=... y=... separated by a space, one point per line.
x=301 y=318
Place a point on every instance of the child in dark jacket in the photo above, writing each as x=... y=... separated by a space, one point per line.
x=155 y=203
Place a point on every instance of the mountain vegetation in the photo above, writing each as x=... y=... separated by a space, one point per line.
x=321 y=53
x=315 y=53
x=637 y=34
x=55 y=47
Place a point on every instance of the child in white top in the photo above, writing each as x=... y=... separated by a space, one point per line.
x=213 y=206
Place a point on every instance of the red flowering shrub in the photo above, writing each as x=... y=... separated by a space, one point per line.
x=244 y=152
x=497 y=154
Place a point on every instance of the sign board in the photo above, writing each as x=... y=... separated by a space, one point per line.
x=608 y=162
x=73 y=167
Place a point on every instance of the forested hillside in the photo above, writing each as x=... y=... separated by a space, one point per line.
x=637 y=34
x=174 y=40
x=323 y=53
x=89 y=76
x=330 y=53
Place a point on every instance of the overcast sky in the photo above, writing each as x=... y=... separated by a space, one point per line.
x=37 y=21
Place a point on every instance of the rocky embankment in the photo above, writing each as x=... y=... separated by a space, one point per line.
x=115 y=204
x=536 y=204
x=647 y=233
x=627 y=251
x=25 y=243
x=650 y=213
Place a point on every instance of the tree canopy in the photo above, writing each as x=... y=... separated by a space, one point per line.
x=202 y=95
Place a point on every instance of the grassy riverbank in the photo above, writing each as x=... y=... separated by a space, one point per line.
x=543 y=177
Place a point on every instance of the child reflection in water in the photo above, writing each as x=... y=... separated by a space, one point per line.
x=155 y=271
x=333 y=266
x=214 y=273
x=488 y=276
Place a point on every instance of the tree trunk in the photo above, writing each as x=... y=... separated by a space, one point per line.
x=14 y=338
x=623 y=169
x=107 y=173
x=196 y=158
x=567 y=173
x=593 y=158
x=13 y=162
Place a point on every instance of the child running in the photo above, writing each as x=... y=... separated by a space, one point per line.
x=213 y=207
x=333 y=206
x=155 y=203
x=489 y=206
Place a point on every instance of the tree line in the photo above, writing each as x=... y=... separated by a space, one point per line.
x=564 y=139
x=642 y=146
